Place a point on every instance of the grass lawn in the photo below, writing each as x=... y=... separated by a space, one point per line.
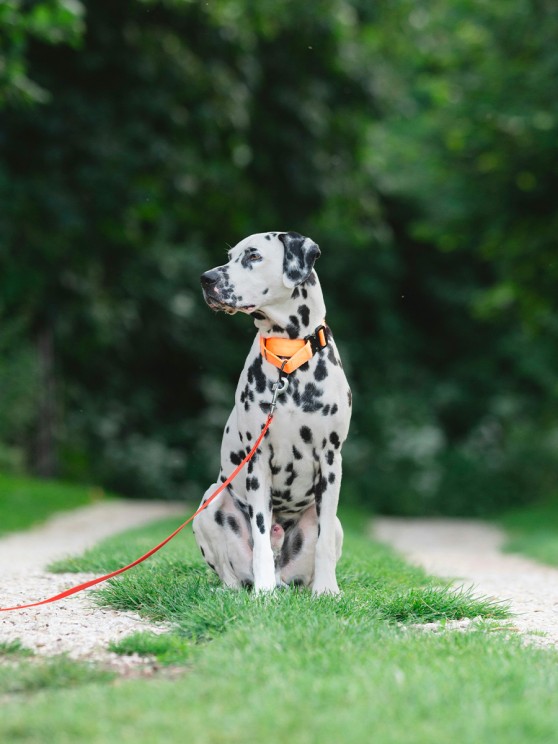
x=25 y=502
x=533 y=531
x=290 y=668
x=21 y=672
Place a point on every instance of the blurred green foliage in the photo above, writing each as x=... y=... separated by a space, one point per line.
x=415 y=143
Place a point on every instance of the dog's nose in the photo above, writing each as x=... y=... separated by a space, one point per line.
x=209 y=279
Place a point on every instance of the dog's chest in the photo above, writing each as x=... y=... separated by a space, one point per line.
x=294 y=465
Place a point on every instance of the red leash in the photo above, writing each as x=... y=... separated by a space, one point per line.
x=219 y=490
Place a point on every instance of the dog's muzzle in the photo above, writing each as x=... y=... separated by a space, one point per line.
x=209 y=279
x=212 y=293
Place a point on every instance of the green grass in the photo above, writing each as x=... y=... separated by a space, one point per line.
x=168 y=648
x=329 y=682
x=37 y=674
x=175 y=586
x=289 y=668
x=13 y=650
x=21 y=672
x=533 y=531
x=25 y=502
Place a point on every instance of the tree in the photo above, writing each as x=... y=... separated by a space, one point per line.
x=50 y=21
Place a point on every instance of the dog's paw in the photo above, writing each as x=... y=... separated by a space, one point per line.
x=320 y=589
x=264 y=588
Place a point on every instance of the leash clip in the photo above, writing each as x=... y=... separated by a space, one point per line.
x=278 y=388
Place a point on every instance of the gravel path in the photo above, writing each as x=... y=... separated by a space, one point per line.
x=74 y=626
x=471 y=552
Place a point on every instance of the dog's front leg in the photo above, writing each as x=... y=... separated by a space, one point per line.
x=260 y=511
x=327 y=545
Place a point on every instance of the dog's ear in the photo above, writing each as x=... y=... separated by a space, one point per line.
x=300 y=256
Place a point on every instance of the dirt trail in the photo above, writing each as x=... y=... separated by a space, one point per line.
x=75 y=625
x=471 y=552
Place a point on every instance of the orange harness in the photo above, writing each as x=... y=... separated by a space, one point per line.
x=288 y=354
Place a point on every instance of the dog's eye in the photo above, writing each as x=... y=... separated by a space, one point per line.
x=254 y=257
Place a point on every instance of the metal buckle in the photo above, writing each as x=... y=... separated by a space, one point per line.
x=314 y=339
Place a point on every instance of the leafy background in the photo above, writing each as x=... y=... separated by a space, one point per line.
x=416 y=143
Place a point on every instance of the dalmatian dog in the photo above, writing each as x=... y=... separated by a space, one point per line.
x=276 y=524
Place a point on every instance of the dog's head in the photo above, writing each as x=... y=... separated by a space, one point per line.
x=262 y=269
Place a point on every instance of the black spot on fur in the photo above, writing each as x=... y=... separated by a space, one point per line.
x=293 y=474
x=202 y=552
x=233 y=524
x=331 y=477
x=297 y=543
x=334 y=409
x=237 y=457
x=306 y=434
x=260 y=522
x=219 y=518
x=256 y=374
x=285 y=552
x=320 y=489
x=247 y=395
x=320 y=373
x=295 y=293
x=304 y=312
x=334 y=439
x=252 y=484
x=331 y=356
x=294 y=275
x=330 y=457
x=296 y=454
x=250 y=511
x=293 y=329
x=309 y=398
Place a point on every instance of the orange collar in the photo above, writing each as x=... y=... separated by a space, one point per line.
x=288 y=354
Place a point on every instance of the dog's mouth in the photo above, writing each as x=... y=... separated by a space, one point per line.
x=217 y=304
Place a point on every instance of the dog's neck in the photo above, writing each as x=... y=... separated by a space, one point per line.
x=297 y=318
